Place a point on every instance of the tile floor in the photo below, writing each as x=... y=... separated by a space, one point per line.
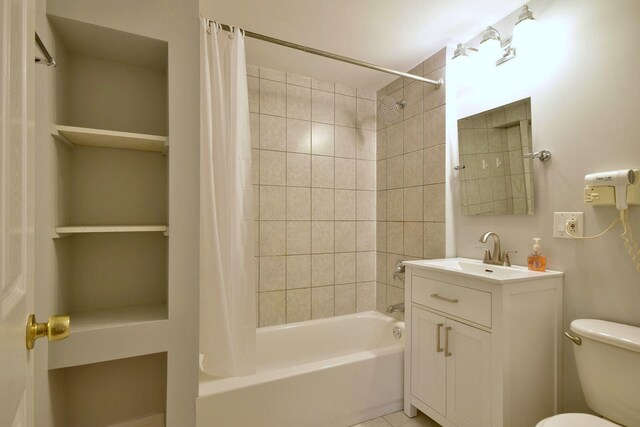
x=399 y=419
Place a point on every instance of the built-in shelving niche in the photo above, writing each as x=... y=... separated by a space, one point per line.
x=110 y=393
x=110 y=193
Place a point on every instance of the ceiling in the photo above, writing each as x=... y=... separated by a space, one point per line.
x=398 y=34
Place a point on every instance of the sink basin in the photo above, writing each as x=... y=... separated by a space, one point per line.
x=477 y=269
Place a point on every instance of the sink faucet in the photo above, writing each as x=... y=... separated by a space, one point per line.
x=496 y=257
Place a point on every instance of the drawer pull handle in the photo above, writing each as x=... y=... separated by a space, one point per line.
x=436 y=296
x=446 y=341
x=438 y=347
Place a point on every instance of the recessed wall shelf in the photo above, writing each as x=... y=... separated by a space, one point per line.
x=72 y=135
x=84 y=229
x=93 y=333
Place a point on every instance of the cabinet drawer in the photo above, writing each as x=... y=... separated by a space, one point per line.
x=466 y=303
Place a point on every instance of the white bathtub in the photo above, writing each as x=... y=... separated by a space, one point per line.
x=329 y=372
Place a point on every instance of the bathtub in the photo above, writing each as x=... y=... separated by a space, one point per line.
x=337 y=372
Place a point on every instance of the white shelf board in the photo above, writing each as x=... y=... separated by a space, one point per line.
x=110 y=334
x=84 y=229
x=110 y=138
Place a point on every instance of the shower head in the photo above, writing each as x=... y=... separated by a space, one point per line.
x=389 y=108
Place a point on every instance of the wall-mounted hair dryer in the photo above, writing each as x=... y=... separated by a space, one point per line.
x=619 y=179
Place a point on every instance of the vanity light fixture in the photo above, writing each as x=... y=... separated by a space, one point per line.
x=462 y=51
x=495 y=49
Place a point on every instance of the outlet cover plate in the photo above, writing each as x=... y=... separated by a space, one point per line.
x=559 y=220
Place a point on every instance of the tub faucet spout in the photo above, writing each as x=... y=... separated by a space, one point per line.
x=396 y=308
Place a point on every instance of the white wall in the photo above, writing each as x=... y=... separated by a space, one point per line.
x=583 y=82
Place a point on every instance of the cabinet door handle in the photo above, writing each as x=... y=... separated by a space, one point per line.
x=446 y=341
x=438 y=346
x=436 y=296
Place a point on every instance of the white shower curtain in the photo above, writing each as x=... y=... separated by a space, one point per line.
x=227 y=292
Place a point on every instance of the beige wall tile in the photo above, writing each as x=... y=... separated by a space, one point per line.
x=381 y=175
x=395 y=140
x=395 y=205
x=345 y=142
x=272 y=273
x=366 y=205
x=435 y=61
x=413 y=169
x=255 y=166
x=366 y=144
x=273 y=99
x=276 y=75
x=253 y=86
x=381 y=266
x=297 y=80
x=366 y=296
x=413 y=133
x=322 y=106
x=381 y=144
x=345 y=267
x=345 y=236
x=298 y=271
x=366 y=175
x=254 y=122
x=345 y=299
x=345 y=205
x=298 y=203
x=322 y=237
x=366 y=94
x=366 y=114
x=298 y=170
x=322 y=269
x=298 y=305
x=381 y=236
x=381 y=297
x=434 y=240
x=434 y=130
x=273 y=204
x=434 y=209
x=395 y=172
x=272 y=168
x=345 y=171
x=298 y=237
x=322 y=139
x=322 y=302
x=413 y=239
x=365 y=266
x=298 y=102
x=434 y=164
x=392 y=261
x=272 y=238
x=413 y=95
x=345 y=110
x=322 y=204
x=322 y=172
x=412 y=201
x=381 y=205
x=345 y=90
x=253 y=70
x=395 y=237
x=272 y=308
x=320 y=85
x=366 y=235
x=298 y=136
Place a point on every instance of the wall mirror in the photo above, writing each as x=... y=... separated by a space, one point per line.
x=495 y=176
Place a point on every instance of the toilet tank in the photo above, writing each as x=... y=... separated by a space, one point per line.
x=608 y=363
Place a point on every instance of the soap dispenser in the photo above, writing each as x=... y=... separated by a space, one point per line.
x=535 y=260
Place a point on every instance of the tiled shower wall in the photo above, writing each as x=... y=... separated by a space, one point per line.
x=411 y=178
x=314 y=156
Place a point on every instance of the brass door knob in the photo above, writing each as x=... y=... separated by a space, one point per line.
x=57 y=328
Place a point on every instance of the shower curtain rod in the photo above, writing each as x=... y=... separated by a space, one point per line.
x=436 y=83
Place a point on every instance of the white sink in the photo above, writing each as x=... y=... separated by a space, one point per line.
x=477 y=269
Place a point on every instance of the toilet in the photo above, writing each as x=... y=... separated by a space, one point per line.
x=608 y=361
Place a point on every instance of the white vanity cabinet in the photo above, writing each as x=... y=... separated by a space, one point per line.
x=483 y=343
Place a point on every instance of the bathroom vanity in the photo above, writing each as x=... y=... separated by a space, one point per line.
x=483 y=344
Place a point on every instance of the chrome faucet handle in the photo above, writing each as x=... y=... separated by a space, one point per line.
x=506 y=261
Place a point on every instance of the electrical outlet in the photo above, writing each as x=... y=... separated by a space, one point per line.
x=576 y=224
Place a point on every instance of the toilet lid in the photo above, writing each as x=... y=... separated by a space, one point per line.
x=577 y=420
